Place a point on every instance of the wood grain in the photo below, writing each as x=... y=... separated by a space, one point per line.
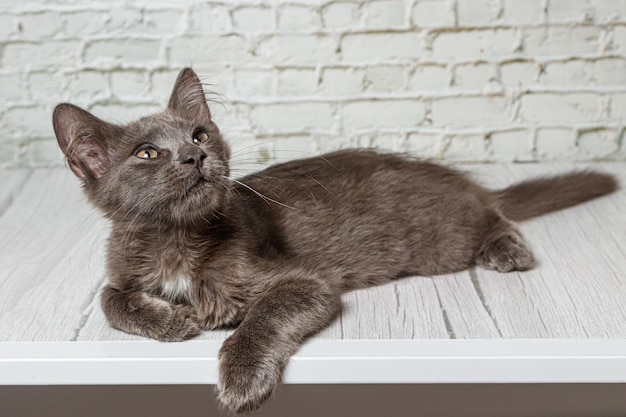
x=11 y=183
x=51 y=267
x=50 y=257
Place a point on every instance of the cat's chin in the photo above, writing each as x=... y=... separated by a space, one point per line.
x=201 y=201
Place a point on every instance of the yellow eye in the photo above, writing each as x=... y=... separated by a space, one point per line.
x=200 y=137
x=147 y=153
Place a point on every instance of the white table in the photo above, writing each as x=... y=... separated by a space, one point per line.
x=564 y=321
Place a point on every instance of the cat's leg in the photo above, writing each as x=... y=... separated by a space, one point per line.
x=144 y=314
x=252 y=358
x=504 y=249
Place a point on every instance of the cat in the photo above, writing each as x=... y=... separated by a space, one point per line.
x=192 y=249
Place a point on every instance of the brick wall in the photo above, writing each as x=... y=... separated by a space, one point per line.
x=464 y=80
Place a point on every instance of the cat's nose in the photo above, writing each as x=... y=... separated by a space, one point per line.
x=192 y=155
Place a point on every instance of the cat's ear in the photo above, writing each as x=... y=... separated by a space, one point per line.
x=187 y=99
x=83 y=139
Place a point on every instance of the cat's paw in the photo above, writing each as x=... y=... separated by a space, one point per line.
x=247 y=378
x=164 y=321
x=509 y=253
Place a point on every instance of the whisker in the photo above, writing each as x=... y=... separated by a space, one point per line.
x=264 y=197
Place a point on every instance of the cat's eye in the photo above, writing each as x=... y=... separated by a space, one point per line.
x=147 y=153
x=200 y=137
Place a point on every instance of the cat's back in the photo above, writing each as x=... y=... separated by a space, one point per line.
x=373 y=214
x=358 y=173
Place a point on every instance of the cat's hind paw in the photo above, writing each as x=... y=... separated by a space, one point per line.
x=506 y=254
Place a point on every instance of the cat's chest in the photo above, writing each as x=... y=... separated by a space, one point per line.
x=176 y=286
x=173 y=275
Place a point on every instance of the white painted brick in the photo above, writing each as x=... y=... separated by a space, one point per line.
x=123 y=113
x=33 y=121
x=46 y=87
x=130 y=84
x=473 y=76
x=43 y=153
x=23 y=55
x=561 y=40
x=293 y=117
x=169 y=21
x=358 y=140
x=208 y=49
x=552 y=143
x=554 y=108
x=610 y=71
x=12 y=87
x=383 y=113
x=618 y=107
x=246 y=152
x=476 y=44
x=619 y=38
x=430 y=78
x=469 y=111
x=383 y=141
x=597 y=144
x=433 y=14
x=570 y=73
x=609 y=10
x=378 y=72
x=381 y=46
x=297 y=81
x=517 y=12
x=161 y=83
x=342 y=81
x=340 y=15
x=233 y=119
x=519 y=73
x=568 y=10
x=121 y=20
x=39 y=25
x=424 y=145
x=88 y=86
x=298 y=18
x=464 y=148
x=328 y=143
x=385 y=14
x=122 y=51
x=385 y=78
x=512 y=145
x=477 y=12
x=9 y=154
x=290 y=147
x=253 y=19
x=81 y=23
x=7 y=26
x=253 y=83
x=300 y=49
x=207 y=18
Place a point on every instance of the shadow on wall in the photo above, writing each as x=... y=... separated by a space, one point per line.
x=480 y=400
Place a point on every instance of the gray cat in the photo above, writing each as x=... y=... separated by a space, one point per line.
x=271 y=253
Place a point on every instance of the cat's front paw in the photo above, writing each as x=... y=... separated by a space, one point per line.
x=164 y=321
x=247 y=377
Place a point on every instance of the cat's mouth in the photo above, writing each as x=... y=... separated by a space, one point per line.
x=198 y=184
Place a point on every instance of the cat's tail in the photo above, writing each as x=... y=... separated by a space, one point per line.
x=540 y=196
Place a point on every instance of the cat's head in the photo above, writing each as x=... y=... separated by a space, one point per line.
x=171 y=166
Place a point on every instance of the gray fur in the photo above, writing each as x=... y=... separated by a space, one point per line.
x=271 y=253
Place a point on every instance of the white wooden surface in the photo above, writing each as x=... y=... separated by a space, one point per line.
x=51 y=267
x=323 y=362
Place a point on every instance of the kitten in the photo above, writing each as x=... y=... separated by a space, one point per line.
x=191 y=249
